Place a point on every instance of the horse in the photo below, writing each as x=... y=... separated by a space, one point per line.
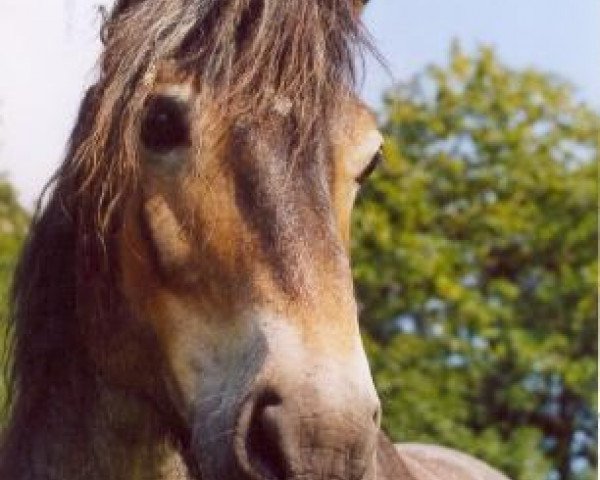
x=183 y=307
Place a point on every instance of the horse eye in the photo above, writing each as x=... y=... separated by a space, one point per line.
x=165 y=125
x=370 y=168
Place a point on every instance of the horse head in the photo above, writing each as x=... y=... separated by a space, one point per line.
x=194 y=251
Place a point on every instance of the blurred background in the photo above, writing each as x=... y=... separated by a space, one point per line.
x=475 y=245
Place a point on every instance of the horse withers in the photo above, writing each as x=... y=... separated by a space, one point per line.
x=184 y=307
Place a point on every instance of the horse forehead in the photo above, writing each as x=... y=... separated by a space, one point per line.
x=271 y=183
x=285 y=203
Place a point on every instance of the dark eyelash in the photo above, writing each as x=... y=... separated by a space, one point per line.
x=370 y=168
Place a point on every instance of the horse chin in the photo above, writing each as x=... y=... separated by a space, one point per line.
x=213 y=455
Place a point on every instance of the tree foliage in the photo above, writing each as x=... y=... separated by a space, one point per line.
x=13 y=227
x=475 y=258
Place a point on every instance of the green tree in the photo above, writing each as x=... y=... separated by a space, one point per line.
x=475 y=259
x=13 y=227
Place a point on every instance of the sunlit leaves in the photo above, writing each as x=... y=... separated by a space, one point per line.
x=476 y=265
x=13 y=226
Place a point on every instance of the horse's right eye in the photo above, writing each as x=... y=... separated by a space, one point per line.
x=165 y=125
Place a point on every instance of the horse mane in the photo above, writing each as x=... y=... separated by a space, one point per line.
x=44 y=336
x=249 y=52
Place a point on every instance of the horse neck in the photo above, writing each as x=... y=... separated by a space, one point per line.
x=83 y=429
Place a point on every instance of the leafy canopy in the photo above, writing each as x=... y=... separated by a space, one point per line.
x=13 y=227
x=475 y=258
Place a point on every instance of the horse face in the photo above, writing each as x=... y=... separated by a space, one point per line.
x=236 y=256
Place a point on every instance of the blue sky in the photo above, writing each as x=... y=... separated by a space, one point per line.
x=561 y=36
x=48 y=49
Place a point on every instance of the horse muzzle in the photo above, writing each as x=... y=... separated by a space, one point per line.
x=303 y=418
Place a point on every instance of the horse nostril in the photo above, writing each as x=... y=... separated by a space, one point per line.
x=264 y=442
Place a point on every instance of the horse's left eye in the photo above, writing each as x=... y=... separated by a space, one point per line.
x=165 y=125
x=370 y=168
